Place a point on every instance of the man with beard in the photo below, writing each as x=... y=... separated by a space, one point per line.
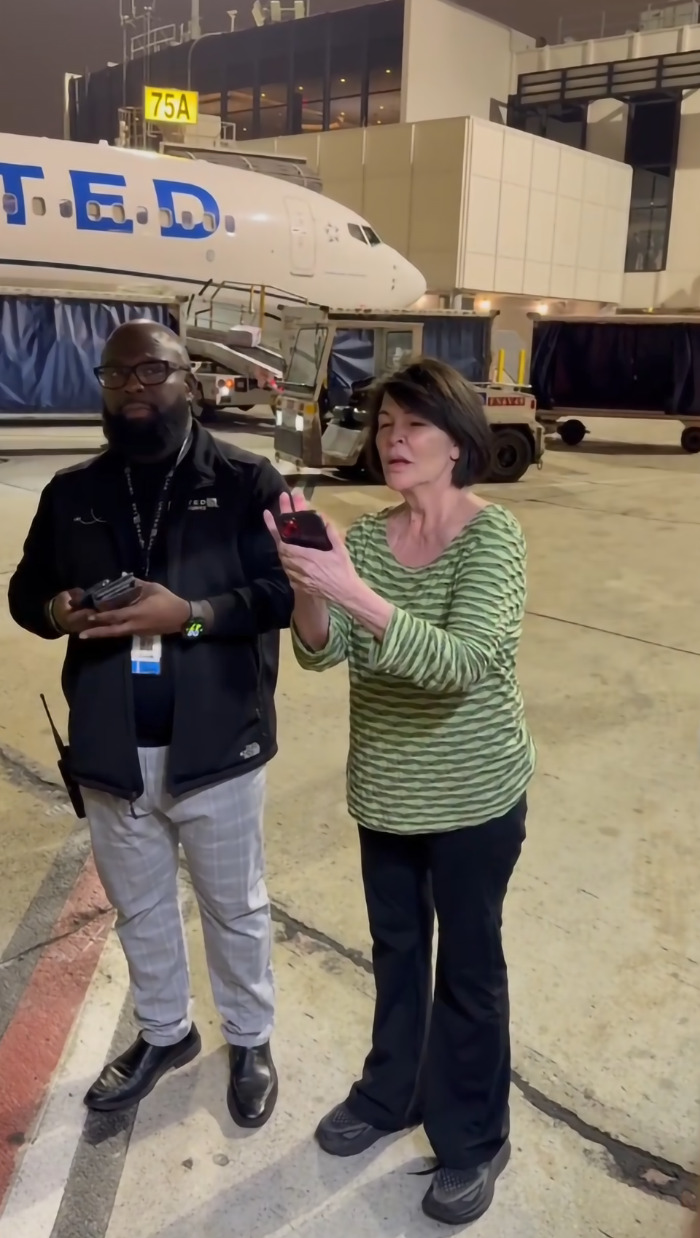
x=171 y=702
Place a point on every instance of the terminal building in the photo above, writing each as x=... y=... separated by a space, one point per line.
x=519 y=175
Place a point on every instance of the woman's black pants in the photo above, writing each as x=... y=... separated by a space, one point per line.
x=441 y=1058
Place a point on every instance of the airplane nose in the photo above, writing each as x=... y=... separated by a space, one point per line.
x=409 y=282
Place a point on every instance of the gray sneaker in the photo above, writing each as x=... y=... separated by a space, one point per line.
x=460 y=1196
x=340 y=1133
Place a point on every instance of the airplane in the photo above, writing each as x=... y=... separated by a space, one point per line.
x=112 y=220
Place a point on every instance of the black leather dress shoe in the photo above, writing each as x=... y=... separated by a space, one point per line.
x=252 y=1092
x=126 y=1080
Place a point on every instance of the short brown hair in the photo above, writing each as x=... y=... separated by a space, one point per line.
x=437 y=393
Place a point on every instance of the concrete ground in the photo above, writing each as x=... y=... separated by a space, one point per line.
x=602 y=926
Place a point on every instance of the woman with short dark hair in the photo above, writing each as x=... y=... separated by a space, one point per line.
x=426 y=603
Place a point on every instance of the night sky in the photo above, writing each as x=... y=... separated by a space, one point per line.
x=43 y=39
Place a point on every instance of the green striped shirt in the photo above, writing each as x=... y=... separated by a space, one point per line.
x=438 y=738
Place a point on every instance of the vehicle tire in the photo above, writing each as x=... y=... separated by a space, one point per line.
x=690 y=439
x=572 y=432
x=513 y=454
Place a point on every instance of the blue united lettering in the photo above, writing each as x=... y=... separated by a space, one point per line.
x=13 y=176
x=90 y=187
x=105 y=191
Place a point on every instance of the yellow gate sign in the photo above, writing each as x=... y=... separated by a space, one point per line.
x=173 y=107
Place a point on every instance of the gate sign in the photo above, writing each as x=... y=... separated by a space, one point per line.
x=171 y=107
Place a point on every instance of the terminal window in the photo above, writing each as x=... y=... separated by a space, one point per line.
x=652 y=150
x=239 y=110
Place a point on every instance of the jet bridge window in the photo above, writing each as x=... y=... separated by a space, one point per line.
x=10 y=205
x=66 y=209
x=356 y=233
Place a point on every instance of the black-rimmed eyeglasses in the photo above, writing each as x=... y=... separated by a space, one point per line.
x=148 y=374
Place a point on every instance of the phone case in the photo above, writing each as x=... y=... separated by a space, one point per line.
x=304 y=528
x=112 y=594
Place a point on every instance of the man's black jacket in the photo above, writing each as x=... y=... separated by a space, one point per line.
x=218 y=549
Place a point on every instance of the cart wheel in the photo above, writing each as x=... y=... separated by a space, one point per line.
x=201 y=410
x=572 y=432
x=690 y=439
x=512 y=455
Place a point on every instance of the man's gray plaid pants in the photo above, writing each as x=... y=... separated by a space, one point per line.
x=136 y=851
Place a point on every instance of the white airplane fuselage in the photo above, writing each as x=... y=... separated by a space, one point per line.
x=114 y=221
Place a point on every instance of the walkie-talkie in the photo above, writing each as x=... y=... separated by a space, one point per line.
x=74 y=793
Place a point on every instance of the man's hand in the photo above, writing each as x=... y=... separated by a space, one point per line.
x=158 y=612
x=66 y=614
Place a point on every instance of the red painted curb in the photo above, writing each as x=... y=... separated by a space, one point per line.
x=34 y=1042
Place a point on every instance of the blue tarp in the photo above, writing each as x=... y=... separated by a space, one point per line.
x=351 y=361
x=49 y=348
x=461 y=342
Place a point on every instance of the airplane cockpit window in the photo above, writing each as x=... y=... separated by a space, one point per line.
x=356 y=232
x=93 y=210
x=142 y=215
x=10 y=204
x=372 y=236
x=230 y=224
x=66 y=209
x=166 y=217
x=38 y=206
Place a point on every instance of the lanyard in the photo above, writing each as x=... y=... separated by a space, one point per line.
x=147 y=546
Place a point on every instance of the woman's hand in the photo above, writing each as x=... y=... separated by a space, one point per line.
x=326 y=574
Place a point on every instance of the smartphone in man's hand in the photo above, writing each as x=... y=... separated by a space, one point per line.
x=110 y=594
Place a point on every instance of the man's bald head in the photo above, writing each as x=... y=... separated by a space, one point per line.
x=145 y=335
x=147 y=383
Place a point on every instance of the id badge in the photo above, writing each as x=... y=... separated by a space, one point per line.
x=146 y=652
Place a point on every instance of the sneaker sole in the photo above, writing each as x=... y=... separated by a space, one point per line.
x=119 y=1106
x=253 y=1123
x=448 y=1216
